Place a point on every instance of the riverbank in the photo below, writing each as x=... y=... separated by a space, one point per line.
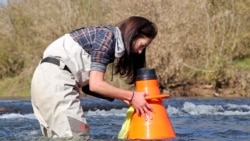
x=180 y=92
x=207 y=92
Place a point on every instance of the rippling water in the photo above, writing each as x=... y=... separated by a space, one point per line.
x=192 y=119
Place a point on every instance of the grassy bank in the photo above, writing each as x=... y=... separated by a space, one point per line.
x=201 y=44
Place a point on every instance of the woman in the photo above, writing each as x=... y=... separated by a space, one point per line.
x=79 y=60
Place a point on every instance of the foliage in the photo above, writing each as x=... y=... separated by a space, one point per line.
x=198 y=40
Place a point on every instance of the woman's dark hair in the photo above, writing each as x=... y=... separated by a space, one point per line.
x=131 y=29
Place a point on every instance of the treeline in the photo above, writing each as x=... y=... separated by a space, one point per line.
x=200 y=42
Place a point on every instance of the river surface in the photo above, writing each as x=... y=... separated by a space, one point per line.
x=193 y=119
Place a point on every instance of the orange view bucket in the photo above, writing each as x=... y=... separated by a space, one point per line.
x=159 y=127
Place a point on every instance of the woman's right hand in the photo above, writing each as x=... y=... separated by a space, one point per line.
x=142 y=107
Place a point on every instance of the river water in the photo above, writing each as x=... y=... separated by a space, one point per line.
x=193 y=119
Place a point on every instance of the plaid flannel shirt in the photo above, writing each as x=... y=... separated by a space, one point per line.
x=99 y=42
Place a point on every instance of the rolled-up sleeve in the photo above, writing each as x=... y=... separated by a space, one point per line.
x=101 y=50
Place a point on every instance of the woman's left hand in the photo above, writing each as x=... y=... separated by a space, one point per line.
x=142 y=107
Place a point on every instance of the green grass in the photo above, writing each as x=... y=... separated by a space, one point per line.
x=243 y=63
x=198 y=46
x=15 y=86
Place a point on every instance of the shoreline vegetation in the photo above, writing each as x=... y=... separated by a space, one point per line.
x=202 y=49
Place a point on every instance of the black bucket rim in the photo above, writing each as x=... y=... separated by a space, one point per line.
x=146 y=74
